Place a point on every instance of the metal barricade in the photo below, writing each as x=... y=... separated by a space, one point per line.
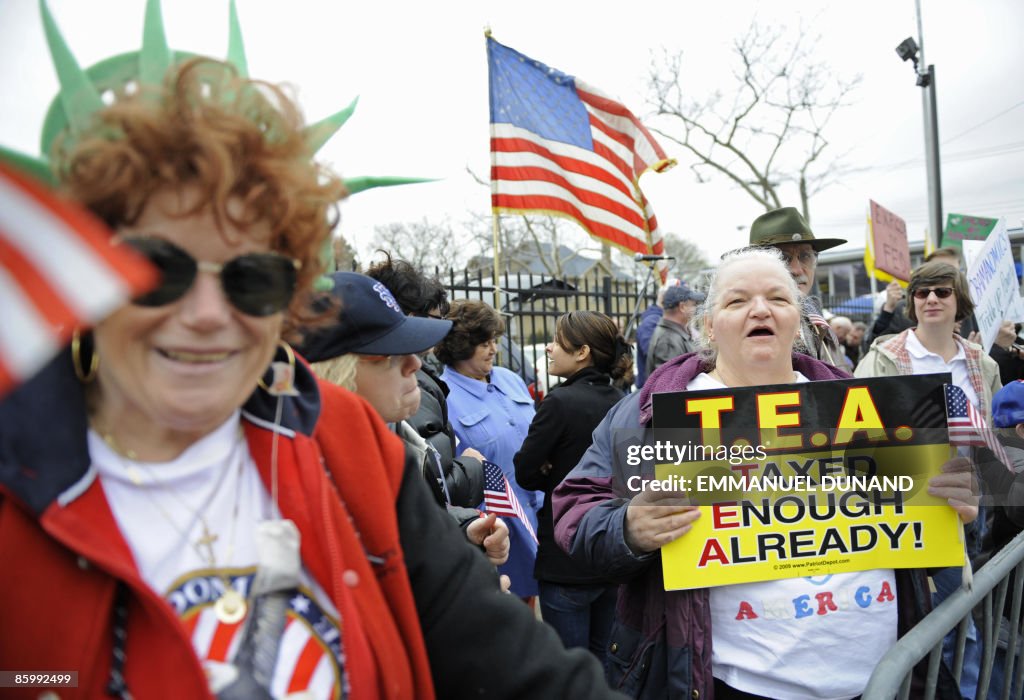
x=992 y=584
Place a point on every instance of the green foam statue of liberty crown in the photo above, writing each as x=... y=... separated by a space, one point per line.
x=81 y=90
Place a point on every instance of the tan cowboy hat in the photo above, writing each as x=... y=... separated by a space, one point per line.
x=786 y=225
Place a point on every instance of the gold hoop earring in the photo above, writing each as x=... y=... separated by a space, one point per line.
x=85 y=377
x=283 y=381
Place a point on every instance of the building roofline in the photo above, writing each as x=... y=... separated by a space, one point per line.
x=833 y=257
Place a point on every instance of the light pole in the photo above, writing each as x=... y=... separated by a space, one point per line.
x=908 y=50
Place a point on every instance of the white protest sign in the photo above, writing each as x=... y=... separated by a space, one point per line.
x=992 y=279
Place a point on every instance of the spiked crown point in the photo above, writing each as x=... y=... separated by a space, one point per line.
x=155 y=58
x=321 y=132
x=236 y=47
x=78 y=96
x=82 y=91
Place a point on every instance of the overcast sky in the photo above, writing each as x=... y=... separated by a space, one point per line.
x=419 y=69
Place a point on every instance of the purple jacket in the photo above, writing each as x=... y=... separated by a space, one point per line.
x=661 y=642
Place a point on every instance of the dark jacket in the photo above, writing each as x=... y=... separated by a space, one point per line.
x=559 y=435
x=1011 y=366
x=464 y=476
x=661 y=640
x=670 y=340
x=644 y=331
x=889 y=322
x=370 y=535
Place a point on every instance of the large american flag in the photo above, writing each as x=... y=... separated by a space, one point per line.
x=559 y=146
x=501 y=499
x=57 y=271
x=967 y=427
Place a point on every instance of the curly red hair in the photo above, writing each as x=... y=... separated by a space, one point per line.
x=231 y=138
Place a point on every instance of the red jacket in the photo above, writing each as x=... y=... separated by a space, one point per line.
x=64 y=558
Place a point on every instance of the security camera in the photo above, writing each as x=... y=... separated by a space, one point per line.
x=907 y=50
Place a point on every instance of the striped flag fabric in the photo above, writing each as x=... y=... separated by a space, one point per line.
x=812 y=310
x=967 y=427
x=561 y=147
x=58 y=271
x=309 y=659
x=501 y=499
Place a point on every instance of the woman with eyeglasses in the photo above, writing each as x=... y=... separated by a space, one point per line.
x=184 y=510
x=491 y=410
x=939 y=298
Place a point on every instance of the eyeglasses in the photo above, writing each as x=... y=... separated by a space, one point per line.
x=940 y=292
x=805 y=257
x=257 y=284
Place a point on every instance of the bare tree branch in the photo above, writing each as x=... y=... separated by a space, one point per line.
x=424 y=244
x=771 y=133
x=689 y=261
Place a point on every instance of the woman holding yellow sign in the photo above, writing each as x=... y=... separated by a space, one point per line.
x=796 y=638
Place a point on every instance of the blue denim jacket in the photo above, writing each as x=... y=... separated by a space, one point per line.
x=494 y=418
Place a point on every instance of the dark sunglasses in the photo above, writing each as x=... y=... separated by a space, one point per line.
x=257 y=284
x=940 y=292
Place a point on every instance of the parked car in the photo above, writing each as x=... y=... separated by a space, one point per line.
x=539 y=356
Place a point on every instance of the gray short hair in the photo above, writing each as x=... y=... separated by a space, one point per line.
x=770 y=255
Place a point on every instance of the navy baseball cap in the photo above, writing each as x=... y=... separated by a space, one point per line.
x=674 y=296
x=1008 y=405
x=370 y=323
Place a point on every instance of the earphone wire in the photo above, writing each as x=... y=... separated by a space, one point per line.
x=274 y=441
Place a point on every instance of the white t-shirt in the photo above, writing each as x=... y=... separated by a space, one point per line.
x=157 y=507
x=924 y=361
x=810 y=638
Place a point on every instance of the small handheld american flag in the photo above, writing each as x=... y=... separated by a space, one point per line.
x=812 y=309
x=967 y=427
x=501 y=499
x=58 y=270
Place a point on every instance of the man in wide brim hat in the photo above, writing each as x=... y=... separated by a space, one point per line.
x=787 y=225
x=787 y=230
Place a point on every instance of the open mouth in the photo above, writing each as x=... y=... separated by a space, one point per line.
x=760 y=332
x=195 y=357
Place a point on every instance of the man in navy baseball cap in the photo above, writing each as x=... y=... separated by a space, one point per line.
x=673 y=336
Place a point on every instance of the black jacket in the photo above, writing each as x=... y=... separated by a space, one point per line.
x=464 y=476
x=889 y=322
x=559 y=435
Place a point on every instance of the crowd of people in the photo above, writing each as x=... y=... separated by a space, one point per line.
x=237 y=487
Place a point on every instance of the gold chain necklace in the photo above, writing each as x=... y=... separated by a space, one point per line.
x=231 y=606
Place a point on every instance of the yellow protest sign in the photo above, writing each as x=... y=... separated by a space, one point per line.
x=806 y=480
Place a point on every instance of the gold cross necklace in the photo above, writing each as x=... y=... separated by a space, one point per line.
x=231 y=606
